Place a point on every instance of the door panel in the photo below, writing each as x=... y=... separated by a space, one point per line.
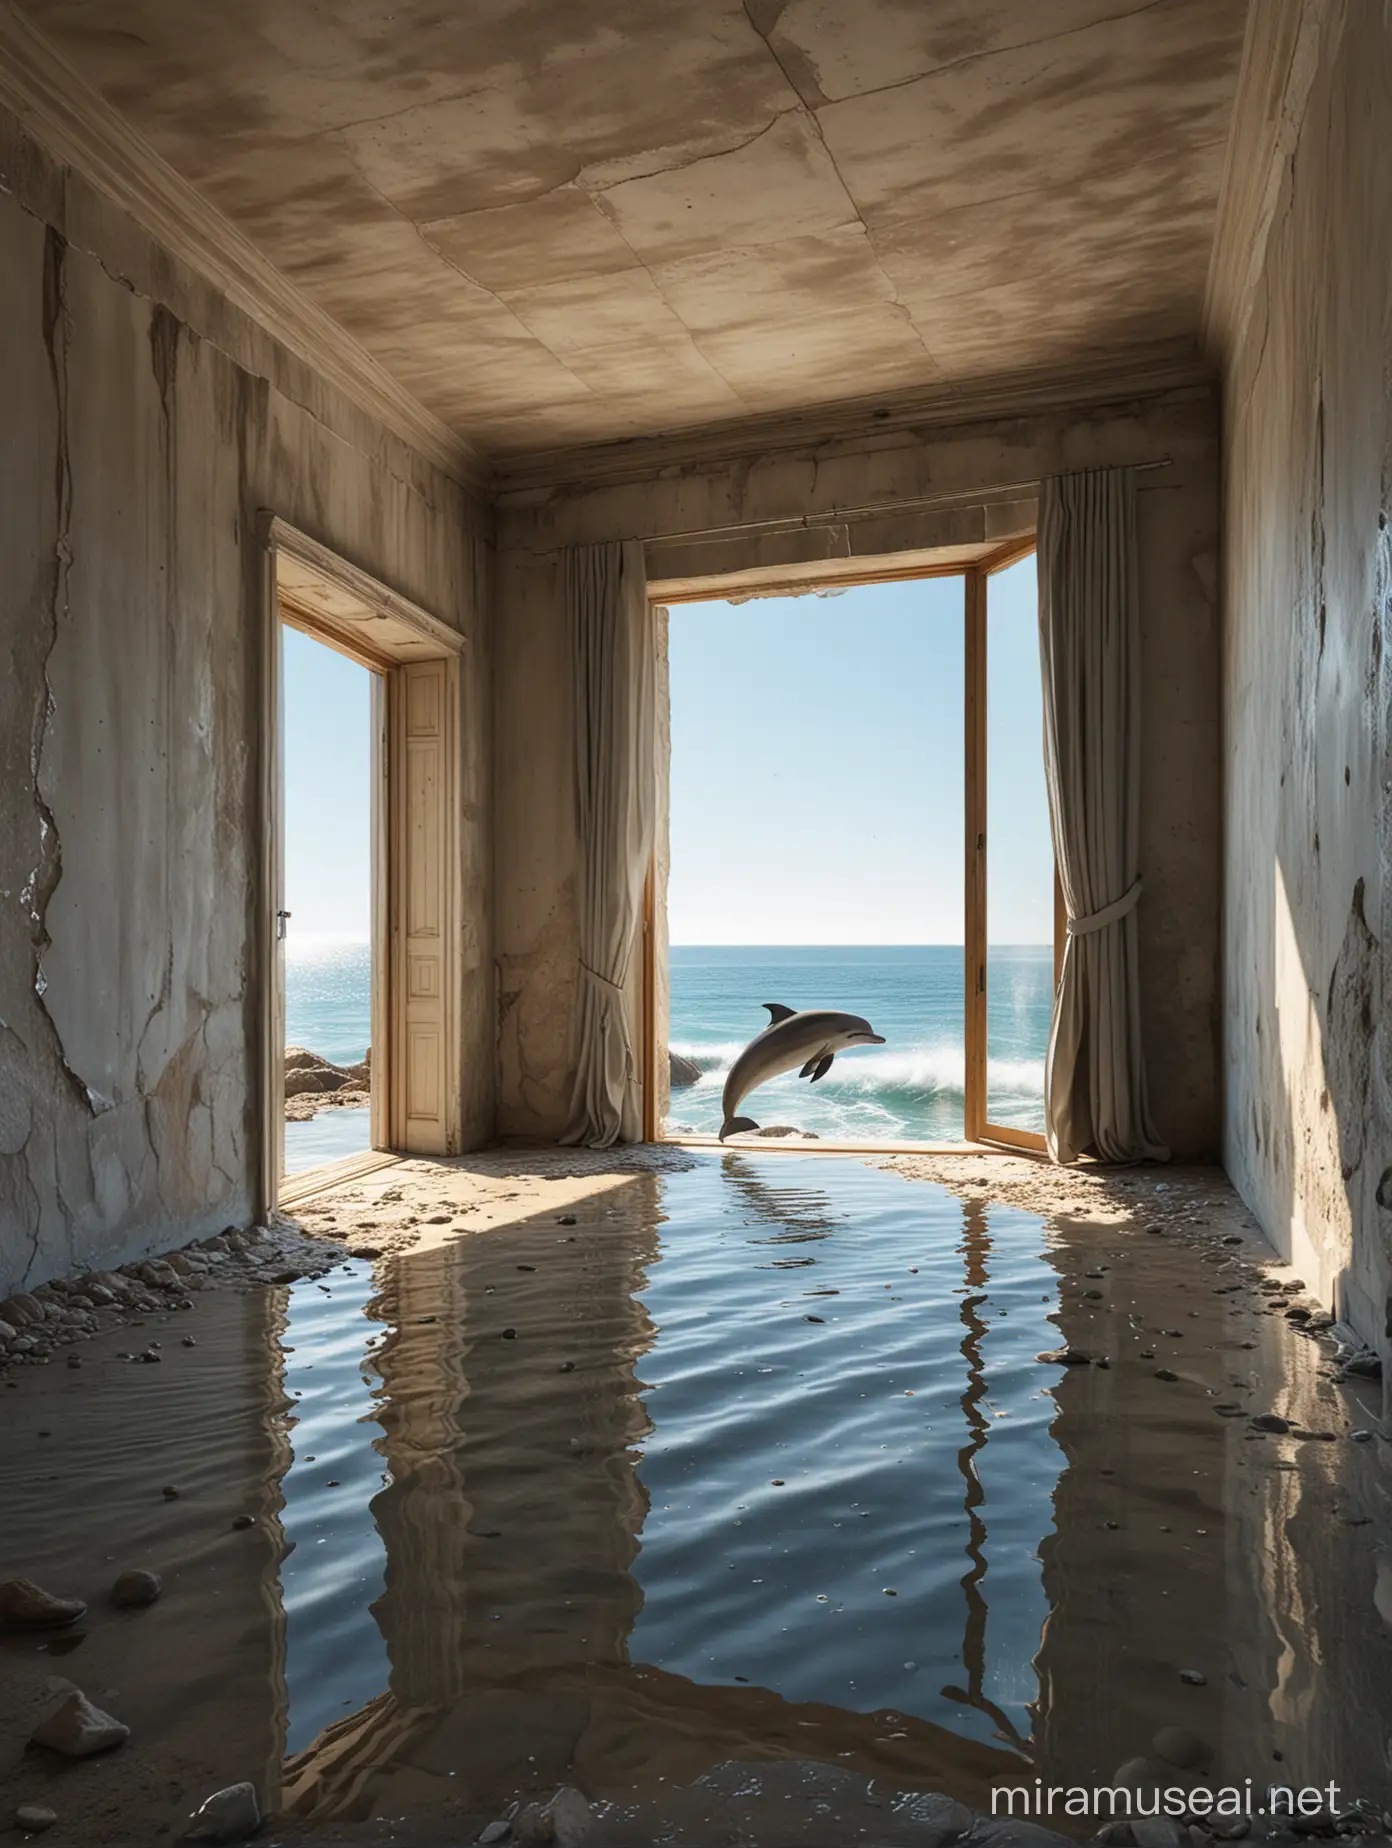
x=424 y=1092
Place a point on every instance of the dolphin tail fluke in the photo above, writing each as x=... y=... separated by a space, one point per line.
x=733 y=1125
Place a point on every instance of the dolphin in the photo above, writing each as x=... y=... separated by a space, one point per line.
x=810 y=1039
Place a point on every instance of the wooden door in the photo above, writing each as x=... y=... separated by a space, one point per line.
x=423 y=718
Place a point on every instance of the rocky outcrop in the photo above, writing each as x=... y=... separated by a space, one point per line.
x=313 y=1082
x=684 y=1072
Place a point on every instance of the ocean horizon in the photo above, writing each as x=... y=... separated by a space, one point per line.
x=909 y=1089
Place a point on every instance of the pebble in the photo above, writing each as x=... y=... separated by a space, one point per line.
x=532 y=1825
x=1065 y=1357
x=1193 y=1677
x=27 y=1605
x=35 y=1818
x=571 y=1817
x=229 y=1815
x=495 y=1832
x=77 y=1729
x=1164 y=1373
x=567 y=1219
x=169 y=1492
x=135 y=1589
x=1270 y=1421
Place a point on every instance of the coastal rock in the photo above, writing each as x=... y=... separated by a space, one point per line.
x=229 y=1815
x=135 y=1589
x=77 y=1729
x=23 y=1604
x=787 y=1129
x=314 y=1078
x=682 y=1071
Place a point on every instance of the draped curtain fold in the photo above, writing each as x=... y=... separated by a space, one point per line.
x=613 y=663
x=1089 y=646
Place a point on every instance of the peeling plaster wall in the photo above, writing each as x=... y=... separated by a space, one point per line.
x=534 y=823
x=1308 y=694
x=146 y=423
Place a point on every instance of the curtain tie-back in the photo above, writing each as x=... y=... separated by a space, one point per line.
x=603 y=980
x=1109 y=914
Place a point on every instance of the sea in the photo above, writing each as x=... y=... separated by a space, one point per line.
x=909 y=1089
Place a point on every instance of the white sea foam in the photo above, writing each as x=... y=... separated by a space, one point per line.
x=936 y=1071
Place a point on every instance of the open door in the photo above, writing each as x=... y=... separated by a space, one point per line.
x=416 y=1075
x=422 y=704
x=1012 y=909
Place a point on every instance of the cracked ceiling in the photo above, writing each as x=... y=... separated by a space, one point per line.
x=560 y=222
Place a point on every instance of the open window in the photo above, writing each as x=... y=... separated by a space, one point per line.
x=1000 y=933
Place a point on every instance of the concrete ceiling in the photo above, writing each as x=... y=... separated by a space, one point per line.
x=559 y=222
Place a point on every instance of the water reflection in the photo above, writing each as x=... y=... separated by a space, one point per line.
x=779 y=1533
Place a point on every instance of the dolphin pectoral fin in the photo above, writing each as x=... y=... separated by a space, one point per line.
x=778 y=1012
x=733 y=1125
x=823 y=1067
x=808 y=1069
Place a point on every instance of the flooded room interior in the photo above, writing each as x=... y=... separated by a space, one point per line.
x=695 y=1098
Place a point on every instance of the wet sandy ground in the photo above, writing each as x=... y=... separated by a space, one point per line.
x=1186 y=1543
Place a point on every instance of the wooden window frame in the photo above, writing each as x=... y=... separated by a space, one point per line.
x=978 y=1130
x=977 y=1126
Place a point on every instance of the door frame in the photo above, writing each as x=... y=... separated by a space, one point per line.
x=307 y=586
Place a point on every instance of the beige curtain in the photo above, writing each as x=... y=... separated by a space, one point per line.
x=613 y=660
x=1089 y=644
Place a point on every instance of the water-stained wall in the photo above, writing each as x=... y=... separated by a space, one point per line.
x=1308 y=687
x=534 y=825
x=146 y=424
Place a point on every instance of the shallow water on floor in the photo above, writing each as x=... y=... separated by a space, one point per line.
x=752 y=1461
x=840 y=1468
x=344 y=1129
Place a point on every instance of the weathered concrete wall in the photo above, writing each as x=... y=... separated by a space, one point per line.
x=1308 y=694
x=146 y=423
x=1178 y=513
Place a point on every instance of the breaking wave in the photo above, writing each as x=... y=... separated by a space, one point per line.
x=938 y=1071
x=910 y=1095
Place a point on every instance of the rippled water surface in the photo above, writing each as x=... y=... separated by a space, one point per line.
x=753 y=1463
x=769 y=1424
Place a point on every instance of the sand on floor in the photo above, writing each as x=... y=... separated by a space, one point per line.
x=1177 y=1517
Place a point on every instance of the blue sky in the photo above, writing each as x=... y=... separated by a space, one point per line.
x=328 y=790
x=817 y=767
x=816 y=771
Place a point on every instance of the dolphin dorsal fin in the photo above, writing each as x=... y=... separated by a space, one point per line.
x=778 y=1012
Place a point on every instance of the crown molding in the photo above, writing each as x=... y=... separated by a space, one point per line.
x=1281 y=50
x=81 y=130
x=1147 y=375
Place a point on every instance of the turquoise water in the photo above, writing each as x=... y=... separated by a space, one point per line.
x=910 y=1088
x=328 y=994
x=328 y=1008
